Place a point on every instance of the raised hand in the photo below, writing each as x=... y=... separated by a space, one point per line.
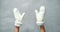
x=40 y=15
x=18 y=16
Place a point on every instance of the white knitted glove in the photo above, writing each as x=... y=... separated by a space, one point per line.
x=18 y=16
x=40 y=15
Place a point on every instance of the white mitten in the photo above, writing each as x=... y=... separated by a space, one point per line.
x=18 y=16
x=40 y=15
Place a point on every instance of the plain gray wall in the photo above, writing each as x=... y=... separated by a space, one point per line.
x=51 y=19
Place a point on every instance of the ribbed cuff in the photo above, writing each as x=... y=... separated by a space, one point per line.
x=18 y=23
x=39 y=23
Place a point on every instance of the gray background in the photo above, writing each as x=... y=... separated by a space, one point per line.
x=51 y=19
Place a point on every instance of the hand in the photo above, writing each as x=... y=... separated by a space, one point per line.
x=18 y=16
x=40 y=14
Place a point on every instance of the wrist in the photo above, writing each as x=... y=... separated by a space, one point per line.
x=39 y=23
x=18 y=23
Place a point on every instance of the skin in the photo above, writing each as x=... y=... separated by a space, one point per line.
x=17 y=29
x=42 y=28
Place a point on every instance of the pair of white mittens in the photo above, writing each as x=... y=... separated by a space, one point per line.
x=19 y=16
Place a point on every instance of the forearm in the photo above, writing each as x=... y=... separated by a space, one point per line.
x=42 y=28
x=16 y=29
